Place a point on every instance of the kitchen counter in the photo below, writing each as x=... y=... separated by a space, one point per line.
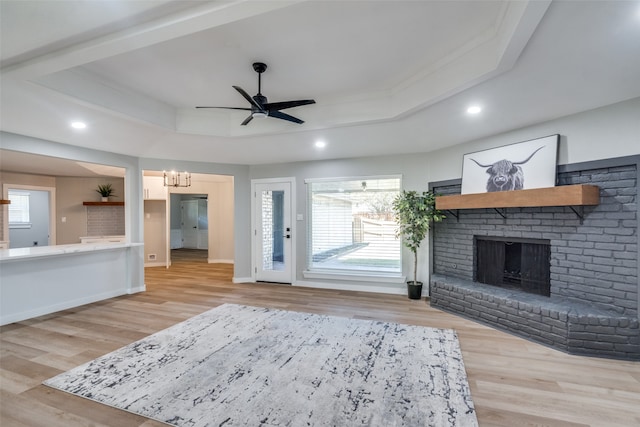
x=58 y=250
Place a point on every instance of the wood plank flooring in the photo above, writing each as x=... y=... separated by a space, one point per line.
x=513 y=382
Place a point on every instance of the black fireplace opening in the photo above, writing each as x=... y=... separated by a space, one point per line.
x=514 y=263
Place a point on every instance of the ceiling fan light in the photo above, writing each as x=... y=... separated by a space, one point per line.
x=259 y=115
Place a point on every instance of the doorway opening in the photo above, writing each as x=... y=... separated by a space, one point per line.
x=206 y=228
x=189 y=227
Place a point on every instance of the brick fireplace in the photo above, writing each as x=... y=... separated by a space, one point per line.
x=585 y=302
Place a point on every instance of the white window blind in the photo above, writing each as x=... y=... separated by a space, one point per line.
x=19 y=207
x=351 y=225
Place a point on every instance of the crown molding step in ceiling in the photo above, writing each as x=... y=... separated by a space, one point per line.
x=401 y=71
x=486 y=51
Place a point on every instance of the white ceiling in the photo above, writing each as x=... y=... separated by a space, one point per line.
x=387 y=76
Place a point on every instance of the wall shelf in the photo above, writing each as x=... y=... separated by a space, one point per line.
x=5 y=202
x=573 y=196
x=103 y=203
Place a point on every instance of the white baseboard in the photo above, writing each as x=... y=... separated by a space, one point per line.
x=155 y=264
x=137 y=289
x=220 y=261
x=243 y=280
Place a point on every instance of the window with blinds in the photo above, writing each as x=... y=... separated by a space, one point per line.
x=19 y=209
x=351 y=225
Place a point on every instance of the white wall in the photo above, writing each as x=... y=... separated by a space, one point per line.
x=603 y=133
x=607 y=132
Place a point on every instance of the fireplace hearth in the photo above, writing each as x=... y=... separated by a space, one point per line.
x=513 y=263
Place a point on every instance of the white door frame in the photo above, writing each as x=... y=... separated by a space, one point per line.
x=254 y=243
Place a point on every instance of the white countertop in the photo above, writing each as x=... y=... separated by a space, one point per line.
x=46 y=251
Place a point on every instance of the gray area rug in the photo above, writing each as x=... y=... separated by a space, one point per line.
x=246 y=366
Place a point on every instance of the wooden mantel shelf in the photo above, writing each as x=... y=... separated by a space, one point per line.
x=564 y=195
x=103 y=203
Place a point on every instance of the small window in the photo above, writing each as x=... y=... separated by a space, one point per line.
x=19 y=209
x=352 y=227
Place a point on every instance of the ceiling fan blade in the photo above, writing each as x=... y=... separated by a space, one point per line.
x=247 y=120
x=248 y=98
x=288 y=104
x=230 y=108
x=284 y=116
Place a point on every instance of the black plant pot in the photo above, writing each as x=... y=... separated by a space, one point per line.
x=414 y=289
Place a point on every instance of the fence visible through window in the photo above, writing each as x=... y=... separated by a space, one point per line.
x=352 y=227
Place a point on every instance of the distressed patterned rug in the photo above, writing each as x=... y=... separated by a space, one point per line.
x=246 y=366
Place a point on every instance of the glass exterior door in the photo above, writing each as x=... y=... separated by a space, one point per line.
x=273 y=233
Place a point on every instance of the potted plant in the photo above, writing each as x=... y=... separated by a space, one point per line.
x=105 y=190
x=414 y=214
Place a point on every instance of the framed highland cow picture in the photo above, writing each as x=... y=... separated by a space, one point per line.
x=520 y=166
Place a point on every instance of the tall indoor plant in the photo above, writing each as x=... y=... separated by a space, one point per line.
x=414 y=214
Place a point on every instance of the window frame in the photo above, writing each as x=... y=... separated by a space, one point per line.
x=371 y=275
x=23 y=206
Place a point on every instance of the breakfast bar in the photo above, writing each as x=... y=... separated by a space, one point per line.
x=44 y=279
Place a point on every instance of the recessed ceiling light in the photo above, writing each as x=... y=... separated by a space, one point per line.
x=78 y=125
x=320 y=144
x=474 y=109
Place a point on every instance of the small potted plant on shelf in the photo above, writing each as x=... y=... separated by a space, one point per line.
x=106 y=191
x=414 y=214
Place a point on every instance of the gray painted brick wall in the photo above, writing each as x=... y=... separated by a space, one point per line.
x=593 y=306
x=593 y=262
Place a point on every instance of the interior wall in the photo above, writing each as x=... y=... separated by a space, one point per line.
x=71 y=192
x=155 y=231
x=606 y=132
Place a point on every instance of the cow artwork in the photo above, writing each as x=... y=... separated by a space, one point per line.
x=505 y=175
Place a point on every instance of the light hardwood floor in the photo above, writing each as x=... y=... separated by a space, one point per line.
x=513 y=382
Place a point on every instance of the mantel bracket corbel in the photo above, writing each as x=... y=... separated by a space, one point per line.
x=579 y=211
x=501 y=212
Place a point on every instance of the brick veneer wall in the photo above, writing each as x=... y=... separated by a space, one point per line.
x=594 y=265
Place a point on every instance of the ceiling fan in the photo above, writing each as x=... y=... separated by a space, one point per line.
x=260 y=108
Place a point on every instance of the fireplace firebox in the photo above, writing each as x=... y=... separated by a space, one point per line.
x=514 y=263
